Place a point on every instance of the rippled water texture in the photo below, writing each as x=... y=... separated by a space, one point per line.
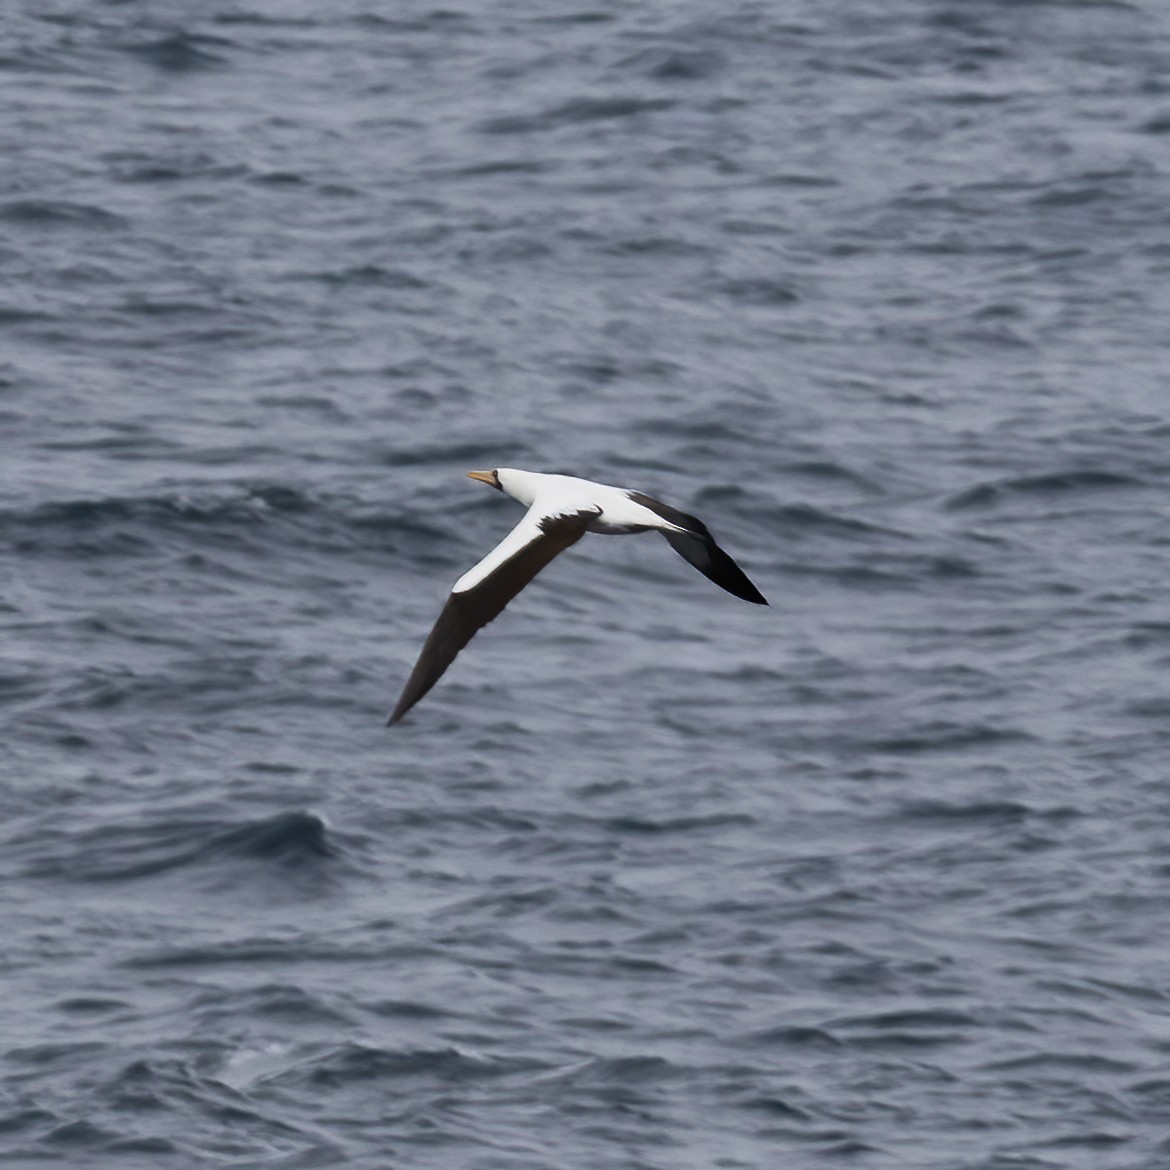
x=654 y=879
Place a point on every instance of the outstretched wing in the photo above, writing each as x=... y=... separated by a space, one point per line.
x=481 y=594
x=698 y=546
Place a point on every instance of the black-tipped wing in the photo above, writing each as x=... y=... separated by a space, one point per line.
x=469 y=610
x=698 y=546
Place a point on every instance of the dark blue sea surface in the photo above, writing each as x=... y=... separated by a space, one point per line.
x=653 y=879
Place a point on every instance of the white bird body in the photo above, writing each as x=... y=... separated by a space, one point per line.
x=561 y=509
x=561 y=495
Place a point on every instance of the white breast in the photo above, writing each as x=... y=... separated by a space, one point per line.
x=550 y=495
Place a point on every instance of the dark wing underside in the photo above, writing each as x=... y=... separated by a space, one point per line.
x=698 y=546
x=469 y=611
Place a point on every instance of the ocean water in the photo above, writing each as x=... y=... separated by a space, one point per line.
x=653 y=879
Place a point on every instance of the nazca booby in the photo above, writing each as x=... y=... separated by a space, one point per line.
x=561 y=509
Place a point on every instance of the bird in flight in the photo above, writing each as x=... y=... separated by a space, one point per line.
x=561 y=509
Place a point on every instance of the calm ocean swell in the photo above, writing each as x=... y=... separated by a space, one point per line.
x=653 y=880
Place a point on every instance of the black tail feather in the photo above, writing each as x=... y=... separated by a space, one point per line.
x=702 y=552
x=698 y=546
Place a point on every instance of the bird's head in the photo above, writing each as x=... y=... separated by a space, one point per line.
x=491 y=478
